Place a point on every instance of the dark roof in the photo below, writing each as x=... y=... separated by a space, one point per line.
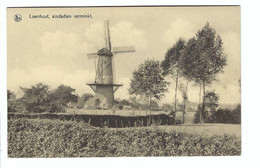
x=124 y=102
x=105 y=51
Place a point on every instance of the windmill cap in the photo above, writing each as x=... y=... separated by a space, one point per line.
x=105 y=51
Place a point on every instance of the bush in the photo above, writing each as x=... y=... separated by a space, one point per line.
x=56 y=138
x=11 y=106
x=220 y=116
x=11 y=101
x=237 y=115
x=39 y=98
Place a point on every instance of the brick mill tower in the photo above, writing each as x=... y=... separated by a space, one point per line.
x=104 y=83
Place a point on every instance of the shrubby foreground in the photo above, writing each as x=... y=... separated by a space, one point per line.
x=57 y=138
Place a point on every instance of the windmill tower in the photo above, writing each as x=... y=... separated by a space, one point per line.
x=104 y=83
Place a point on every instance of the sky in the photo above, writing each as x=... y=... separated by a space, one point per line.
x=54 y=51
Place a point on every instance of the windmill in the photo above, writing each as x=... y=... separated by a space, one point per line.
x=104 y=83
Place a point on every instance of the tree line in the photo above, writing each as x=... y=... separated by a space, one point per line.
x=40 y=98
x=198 y=60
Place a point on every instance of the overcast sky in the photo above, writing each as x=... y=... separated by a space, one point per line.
x=54 y=51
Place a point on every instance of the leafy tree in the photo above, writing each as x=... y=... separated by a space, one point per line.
x=87 y=96
x=206 y=59
x=134 y=102
x=148 y=81
x=227 y=115
x=171 y=64
x=186 y=71
x=211 y=104
x=223 y=116
x=11 y=101
x=83 y=98
x=187 y=59
x=236 y=113
x=65 y=94
x=237 y=110
x=211 y=100
x=39 y=98
x=9 y=93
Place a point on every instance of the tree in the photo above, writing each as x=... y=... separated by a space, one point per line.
x=237 y=110
x=134 y=102
x=84 y=98
x=11 y=101
x=223 y=116
x=206 y=59
x=211 y=104
x=39 y=98
x=87 y=96
x=184 y=91
x=211 y=100
x=171 y=64
x=186 y=72
x=167 y=107
x=9 y=93
x=236 y=114
x=65 y=94
x=148 y=81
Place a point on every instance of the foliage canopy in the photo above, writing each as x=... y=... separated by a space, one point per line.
x=148 y=80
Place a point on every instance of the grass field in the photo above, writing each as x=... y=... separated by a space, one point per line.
x=206 y=129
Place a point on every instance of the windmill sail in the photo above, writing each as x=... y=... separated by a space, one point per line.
x=92 y=55
x=124 y=49
x=107 y=35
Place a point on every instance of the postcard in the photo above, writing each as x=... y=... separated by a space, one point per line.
x=137 y=81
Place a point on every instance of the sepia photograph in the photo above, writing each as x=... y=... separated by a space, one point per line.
x=140 y=81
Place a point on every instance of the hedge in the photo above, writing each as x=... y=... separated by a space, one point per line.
x=47 y=138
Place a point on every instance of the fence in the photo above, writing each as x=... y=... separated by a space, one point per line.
x=112 y=121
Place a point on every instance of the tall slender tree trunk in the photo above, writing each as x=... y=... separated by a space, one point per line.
x=203 y=104
x=176 y=91
x=184 y=104
x=199 y=105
